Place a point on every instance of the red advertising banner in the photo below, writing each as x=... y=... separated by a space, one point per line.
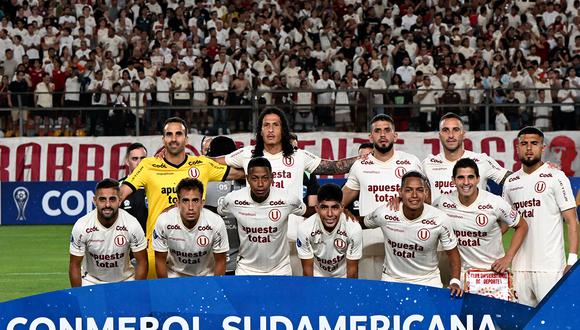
x=94 y=158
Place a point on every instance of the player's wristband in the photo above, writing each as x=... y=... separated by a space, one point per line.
x=455 y=281
x=572 y=258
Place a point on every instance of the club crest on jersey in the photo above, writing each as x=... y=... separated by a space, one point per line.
x=193 y=173
x=540 y=187
x=340 y=244
x=481 y=220
x=288 y=161
x=275 y=215
x=203 y=241
x=400 y=171
x=423 y=234
x=120 y=240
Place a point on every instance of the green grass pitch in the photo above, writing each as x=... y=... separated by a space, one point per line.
x=34 y=259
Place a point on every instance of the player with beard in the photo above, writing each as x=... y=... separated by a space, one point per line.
x=438 y=168
x=543 y=195
x=101 y=241
x=377 y=179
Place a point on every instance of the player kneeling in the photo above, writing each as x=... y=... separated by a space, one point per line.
x=102 y=240
x=185 y=237
x=329 y=245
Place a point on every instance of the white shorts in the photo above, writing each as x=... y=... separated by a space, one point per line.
x=434 y=281
x=283 y=269
x=532 y=287
x=88 y=280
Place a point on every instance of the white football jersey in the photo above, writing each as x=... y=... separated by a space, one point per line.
x=540 y=197
x=190 y=251
x=106 y=250
x=262 y=228
x=439 y=172
x=411 y=245
x=329 y=250
x=378 y=182
x=286 y=171
x=476 y=227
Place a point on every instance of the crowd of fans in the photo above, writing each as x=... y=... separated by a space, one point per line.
x=312 y=58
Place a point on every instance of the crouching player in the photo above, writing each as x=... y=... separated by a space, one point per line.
x=328 y=245
x=190 y=240
x=412 y=234
x=474 y=215
x=102 y=240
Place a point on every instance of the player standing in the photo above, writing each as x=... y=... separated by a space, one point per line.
x=543 y=196
x=377 y=178
x=101 y=241
x=136 y=203
x=189 y=240
x=474 y=215
x=438 y=168
x=411 y=236
x=329 y=245
x=262 y=212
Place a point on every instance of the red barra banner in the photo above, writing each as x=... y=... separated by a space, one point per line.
x=94 y=158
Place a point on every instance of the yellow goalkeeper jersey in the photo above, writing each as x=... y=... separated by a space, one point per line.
x=159 y=178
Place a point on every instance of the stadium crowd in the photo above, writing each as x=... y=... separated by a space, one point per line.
x=308 y=57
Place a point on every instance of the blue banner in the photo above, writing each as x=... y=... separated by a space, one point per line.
x=46 y=203
x=260 y=303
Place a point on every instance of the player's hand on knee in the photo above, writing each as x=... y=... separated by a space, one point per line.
x=456 y=290
x=501 y=265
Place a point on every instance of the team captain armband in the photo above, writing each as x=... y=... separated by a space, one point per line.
x=489 y=283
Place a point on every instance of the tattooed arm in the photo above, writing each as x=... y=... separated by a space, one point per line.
x=329 y=167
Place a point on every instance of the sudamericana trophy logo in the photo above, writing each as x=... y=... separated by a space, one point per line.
x=21 y=197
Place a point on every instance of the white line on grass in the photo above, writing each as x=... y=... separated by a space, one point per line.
x=35 y=274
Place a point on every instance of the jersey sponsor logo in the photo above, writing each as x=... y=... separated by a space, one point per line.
x=298 y=242
x=400 y=171
x=340 y=244
x=203 y=241
x=513 y=214
x=545 y=175
x=274 y=203
x=481 y=220
x=120 y=240
x=121 y=228
x=194 y=162
x=485 y=207
x=72 y=239
x=155 y=235
x=92 y=229
x=428 y=222
x=237 y=202
x=403 y=162
x=435 y=160
x=175 y=227
x=193 y=173
x=275 y=215
x=423 y=234
x=540 y=187
x=288 y=161
x=391 y=217
x=341 y=232
x=158 y=165
x=126 y=203
x=367 y=162
x=513 y=178
x=202 y=228
x=449 y=205
x=316 y=232
x=444 y=184
x=374 y=188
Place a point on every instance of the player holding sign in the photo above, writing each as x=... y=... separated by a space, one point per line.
x=262 y=213
x=329 y=245
x=102 y=240
x=438 y=167
x=376 y=179
x=411 y=237
x=474 y=215
x=189 y=240
x=543 y=195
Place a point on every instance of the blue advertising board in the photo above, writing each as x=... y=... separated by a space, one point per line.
x=47 y=203
x=285 y=303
